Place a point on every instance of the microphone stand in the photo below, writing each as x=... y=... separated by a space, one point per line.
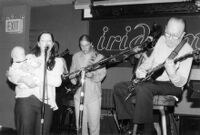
x=81 y=106
x=43 y=94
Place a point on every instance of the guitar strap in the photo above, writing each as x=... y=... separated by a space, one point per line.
x=172 y=55
x=175 y=52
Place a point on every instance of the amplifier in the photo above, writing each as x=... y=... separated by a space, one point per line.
x=107 y=99
x=189 y=125
x=190 y=102
x=194 y=88
x=107 y=124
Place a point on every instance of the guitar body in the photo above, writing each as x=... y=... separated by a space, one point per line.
x=66 y=85
x=69 y=87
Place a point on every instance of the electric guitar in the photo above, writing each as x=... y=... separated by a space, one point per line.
x=66 y=51
x=151 y=73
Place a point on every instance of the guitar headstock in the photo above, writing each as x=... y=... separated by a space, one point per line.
x=66 y=51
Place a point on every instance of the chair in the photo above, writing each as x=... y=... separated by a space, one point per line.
x=161 y=103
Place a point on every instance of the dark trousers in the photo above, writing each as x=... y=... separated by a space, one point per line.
x=124 y=109
x=143 y=112
x=28 y=116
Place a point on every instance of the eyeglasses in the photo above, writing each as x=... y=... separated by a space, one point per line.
x=85 y=45
x=175 y=37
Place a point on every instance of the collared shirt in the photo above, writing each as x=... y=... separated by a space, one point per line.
x=53 y=80
x=160 y=54
x=92 y=85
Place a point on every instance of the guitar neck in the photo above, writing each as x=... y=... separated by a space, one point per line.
x=183 y=57
x=63 y=53
x=175 y=61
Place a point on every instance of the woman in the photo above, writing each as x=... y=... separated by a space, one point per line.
x=29 y=93
x=92 y=97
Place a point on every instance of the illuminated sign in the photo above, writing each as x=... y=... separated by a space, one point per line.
x=14 y=26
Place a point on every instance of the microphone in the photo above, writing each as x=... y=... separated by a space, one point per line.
x=156 y=31
x=148 y=44
x=46 y=48
x=150 y=38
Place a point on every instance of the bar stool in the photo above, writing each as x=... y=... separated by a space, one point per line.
x=160 y=103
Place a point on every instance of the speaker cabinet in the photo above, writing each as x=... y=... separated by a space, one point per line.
x=189 y=125
x=108 y=125
x=190 y=102
x=107 y=99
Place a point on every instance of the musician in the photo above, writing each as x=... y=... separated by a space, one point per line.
x=125 y=109
x=171 y=81
x=92 y=96
x=29 y=93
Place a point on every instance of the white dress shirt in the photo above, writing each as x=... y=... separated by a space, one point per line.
x=160 y=54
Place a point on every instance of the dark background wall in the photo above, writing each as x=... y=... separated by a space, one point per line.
x=63 y=21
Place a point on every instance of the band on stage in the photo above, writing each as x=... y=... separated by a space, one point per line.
x=46 y=81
